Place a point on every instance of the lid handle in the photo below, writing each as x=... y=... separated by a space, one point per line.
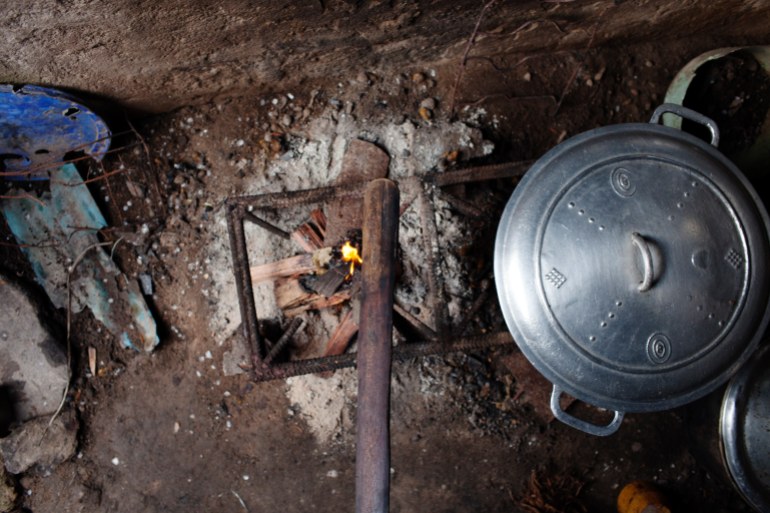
x=649 y=271
x=689 y=114
x=582 y=425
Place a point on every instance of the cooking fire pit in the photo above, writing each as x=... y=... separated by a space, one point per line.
x=424 y=327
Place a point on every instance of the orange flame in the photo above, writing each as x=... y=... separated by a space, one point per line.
x=350 y=254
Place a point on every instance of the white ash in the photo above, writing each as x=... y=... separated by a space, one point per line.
x=326 y=404
x=220 y=292
x=412 y=288
x=453 y=231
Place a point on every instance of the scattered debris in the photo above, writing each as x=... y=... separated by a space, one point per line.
x=92 y=360
x=145 y=281
x=557 y=494
x=40 y=444
x=32 y=363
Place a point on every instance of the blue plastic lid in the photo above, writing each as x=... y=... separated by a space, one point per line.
x=39 y=126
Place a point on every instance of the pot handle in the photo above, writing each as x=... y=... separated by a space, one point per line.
x=689 y=114
x=582 y=425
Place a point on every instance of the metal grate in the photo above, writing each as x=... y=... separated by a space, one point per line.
x=419 y=191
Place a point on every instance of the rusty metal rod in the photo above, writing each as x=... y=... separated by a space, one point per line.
x=380 y=240
x=481 y=173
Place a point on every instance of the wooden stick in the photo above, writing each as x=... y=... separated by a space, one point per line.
x=340 y=339
x=307 y=238
x=311 y=234
x=300 y=264
x=378 y=276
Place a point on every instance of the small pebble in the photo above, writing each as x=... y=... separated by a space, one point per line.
x=527 y=76
x=333 y=474
x=599 y=75
x=115 y=461
x=418 y=78
x=428 y=103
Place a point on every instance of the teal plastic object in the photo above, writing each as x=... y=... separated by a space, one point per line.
x=58 y=235
x=40 y=126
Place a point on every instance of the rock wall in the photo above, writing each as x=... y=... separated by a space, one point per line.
x=156 y=56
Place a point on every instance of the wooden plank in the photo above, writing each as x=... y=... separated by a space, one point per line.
x=299 y=264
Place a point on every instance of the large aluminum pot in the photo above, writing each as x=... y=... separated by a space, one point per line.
x=631 y=268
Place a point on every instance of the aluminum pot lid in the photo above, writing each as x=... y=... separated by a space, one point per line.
x=626 y=266
x=745 y=430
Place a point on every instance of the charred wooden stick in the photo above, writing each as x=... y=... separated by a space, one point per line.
x=482 y=173
x=380 y=239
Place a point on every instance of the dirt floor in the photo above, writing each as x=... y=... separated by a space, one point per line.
x=182 y=430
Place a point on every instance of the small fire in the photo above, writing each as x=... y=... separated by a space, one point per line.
x=350 y=254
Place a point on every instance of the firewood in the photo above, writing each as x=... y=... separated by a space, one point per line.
x=328 y=283
x=343 y=333
x=311 y=234
x=292 y=298
x=299 y=264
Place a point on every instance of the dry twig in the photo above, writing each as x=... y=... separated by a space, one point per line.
x=464 y=60
x=553 y=495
